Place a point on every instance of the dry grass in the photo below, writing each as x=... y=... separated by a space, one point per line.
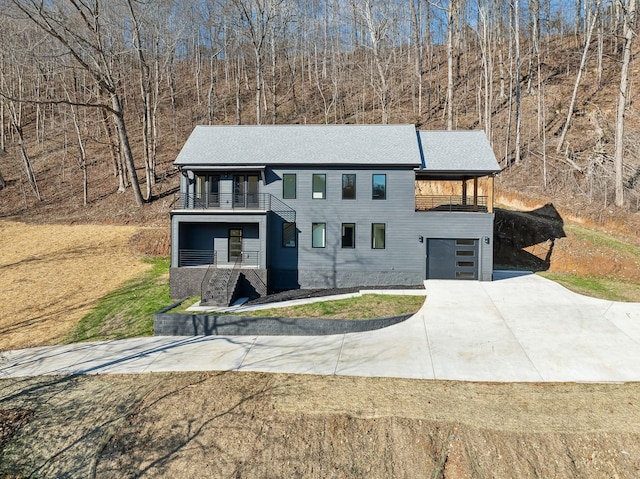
x=52 y=275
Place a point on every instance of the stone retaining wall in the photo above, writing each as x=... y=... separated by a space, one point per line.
x=166 y=324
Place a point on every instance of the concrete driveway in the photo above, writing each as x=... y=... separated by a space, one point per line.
x=518 y=328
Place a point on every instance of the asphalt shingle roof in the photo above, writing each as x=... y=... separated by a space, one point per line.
x=457 y=151
x=301 y=145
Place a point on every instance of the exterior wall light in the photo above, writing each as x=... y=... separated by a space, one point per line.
x=487 y=240
x=421 y=239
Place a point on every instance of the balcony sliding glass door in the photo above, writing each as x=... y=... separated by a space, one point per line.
x=245 y=191
x=207 y=191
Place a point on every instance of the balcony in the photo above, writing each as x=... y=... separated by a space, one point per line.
x=227 y=201
x=452 y=203
x=230 y=202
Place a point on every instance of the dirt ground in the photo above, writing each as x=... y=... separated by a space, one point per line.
x=51 y=276
x=255 y=425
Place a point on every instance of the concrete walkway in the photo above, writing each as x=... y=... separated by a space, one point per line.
x=518 y=328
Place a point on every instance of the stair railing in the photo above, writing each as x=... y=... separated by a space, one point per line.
x=231 y=276
x=207 y=276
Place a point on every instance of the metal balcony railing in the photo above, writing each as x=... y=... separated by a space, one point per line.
x=255 y=201
x=451 y=203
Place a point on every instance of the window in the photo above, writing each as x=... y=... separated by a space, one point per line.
x=379 y=187
x=319 y=186
x=465 y=242
x=318 y=235
x=200 y=186
x=348 y=235
x=289 y=235
x=349 y=187
x=289 y=186
x=214 y=190
x=378 y=235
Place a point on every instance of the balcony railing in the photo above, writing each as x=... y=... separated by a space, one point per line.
x=235 y=202
x=254 y=201
x=451 y=203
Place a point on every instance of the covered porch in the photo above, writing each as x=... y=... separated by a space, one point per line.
x=450 y=193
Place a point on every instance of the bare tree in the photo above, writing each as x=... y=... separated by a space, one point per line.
x=81 y=29
x=629 y=33
x=583 y=61
x=257 y=16
x=377 y=18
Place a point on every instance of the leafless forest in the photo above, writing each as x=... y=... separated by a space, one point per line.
x=97 y=96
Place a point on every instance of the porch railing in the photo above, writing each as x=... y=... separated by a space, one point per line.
x=248 y=259
x=196 y=257
x=191 y=257
x=451 y=203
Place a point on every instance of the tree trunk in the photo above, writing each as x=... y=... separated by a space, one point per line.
x=26 y=160
x=516 y=14
x=125 y=148
x=583 y=61
x=82 y=157
x=113 y=152
x=145 y=96
x=416 y=21
x=452 y=17
x=629 y=25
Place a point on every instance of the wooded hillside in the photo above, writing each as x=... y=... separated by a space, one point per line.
x=93 y=91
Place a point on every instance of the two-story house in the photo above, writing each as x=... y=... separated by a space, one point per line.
x=313 y=206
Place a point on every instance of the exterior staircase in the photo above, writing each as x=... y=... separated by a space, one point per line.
x=220 y=287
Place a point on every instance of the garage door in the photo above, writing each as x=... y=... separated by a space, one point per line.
x=452 y=259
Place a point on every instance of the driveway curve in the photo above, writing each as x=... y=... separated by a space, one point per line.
x=518 y=328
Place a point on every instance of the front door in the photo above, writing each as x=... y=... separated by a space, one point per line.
x=235 y=244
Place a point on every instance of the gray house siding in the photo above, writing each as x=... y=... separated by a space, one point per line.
x=459 y=225
x=334 y=266
x=200 y=226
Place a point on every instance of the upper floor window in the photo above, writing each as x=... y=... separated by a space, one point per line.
x=288 y=186
x=319 y=186
x=379 y=187
x=349 y=186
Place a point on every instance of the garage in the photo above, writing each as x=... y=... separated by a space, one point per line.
x=452 y=258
